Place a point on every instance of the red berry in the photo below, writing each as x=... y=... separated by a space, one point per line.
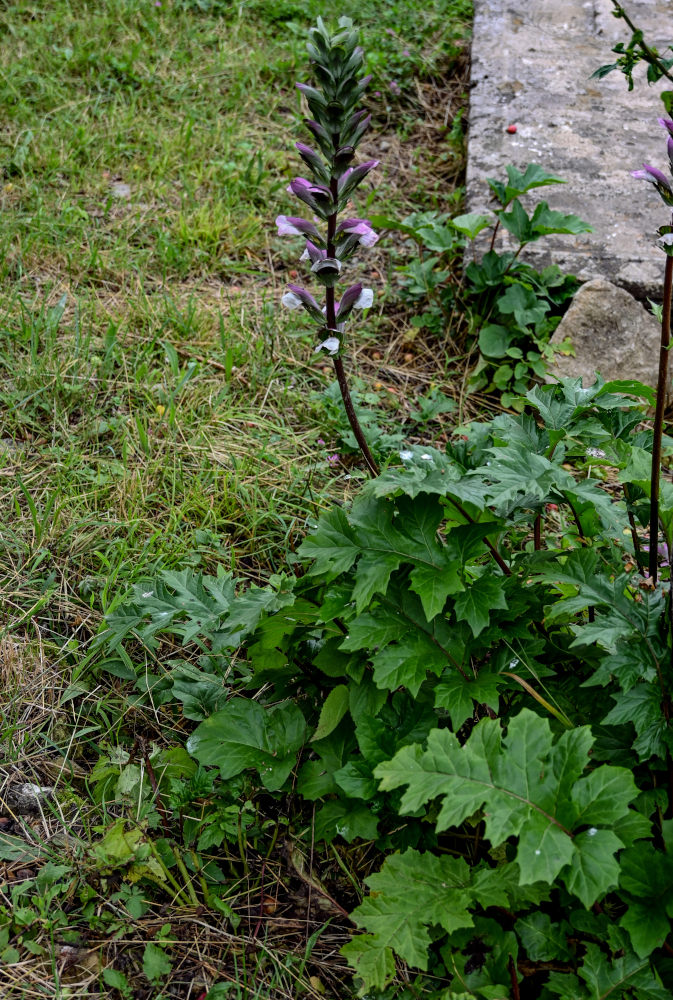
x=511 y=129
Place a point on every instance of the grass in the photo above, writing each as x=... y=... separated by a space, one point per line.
x=158 y=411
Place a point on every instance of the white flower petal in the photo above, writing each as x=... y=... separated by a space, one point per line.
x=364 y=299
x=406 y=456
x=368 y=239
x=331 y=345
x=286 y=228
x=291 y=301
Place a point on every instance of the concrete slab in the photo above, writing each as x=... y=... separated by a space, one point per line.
x=531 y=66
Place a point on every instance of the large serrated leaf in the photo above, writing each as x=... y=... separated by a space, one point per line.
x=410 y=894
x=475 y=603
x=521 y=785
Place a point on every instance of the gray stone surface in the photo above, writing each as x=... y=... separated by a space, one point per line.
x=531 y=66
x=611 y=333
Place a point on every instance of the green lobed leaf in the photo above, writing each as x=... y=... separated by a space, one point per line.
x=406 y=663
x=434 y=587
x=593 y=870
x=521 y=785
x=647 y=876
x=609 y=979
x=519 y=183
x=474 y=605
x=156 y=963
x=410 y=894
x=471 y=224
x=458 y=695
x=350 y=820
x=542 y=939
x=372 y=960
x=648 y=927
x=333 y=545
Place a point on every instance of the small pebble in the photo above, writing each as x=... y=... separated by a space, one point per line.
x=120 y=190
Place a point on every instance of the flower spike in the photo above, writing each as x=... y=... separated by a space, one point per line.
x=336 y=125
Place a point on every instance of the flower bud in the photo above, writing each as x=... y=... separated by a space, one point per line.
x=296 y=298
x=659 y=179
x=316 y=196
x=313 y=161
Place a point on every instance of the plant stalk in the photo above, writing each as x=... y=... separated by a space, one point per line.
x=537 y=533
x=662 y=385
x=330 y=315
x=649 y=54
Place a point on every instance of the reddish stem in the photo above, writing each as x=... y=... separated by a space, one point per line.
x=330 y=315
x=662 y=385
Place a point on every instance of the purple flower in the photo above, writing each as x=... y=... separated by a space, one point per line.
x=320 y=441
x=312 y=159
x=656 y=177
x=293 y=225
x=667 y=124
x=395 y=87
x=297 y=297
x=313 y=253
x=333 y=459
x=311 y=94
x=354 y=176
x=355 y=297
x=361 y=228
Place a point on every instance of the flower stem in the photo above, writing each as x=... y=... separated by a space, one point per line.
x=662 y=386
x=352 y=417
x=330 y=315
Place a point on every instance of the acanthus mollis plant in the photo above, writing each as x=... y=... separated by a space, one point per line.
x=665 y=189
x=337 y=127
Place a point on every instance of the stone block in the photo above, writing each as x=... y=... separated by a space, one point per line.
x=611 y=333
x=532 y=63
